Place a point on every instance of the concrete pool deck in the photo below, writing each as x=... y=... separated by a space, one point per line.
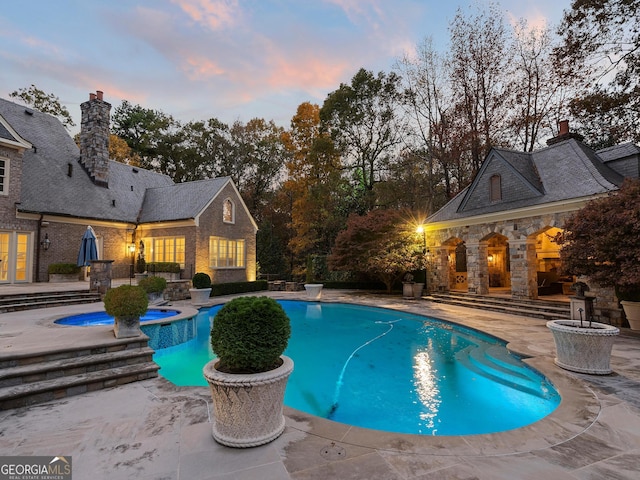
x=154 y=430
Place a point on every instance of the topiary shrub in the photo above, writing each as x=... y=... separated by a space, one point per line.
x=201 y=280
x=126 y=301
x=141 y=265
x=249 y=334
x=153 y=284
x=63 y=268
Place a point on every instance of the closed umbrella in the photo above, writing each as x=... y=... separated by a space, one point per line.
x=88 y=249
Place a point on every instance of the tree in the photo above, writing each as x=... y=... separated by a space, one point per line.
x=45 y=103
x=362 y=122
x=312 y=186
x=378 y=244
x=601 y=240
x=121 y=152
x=145 y=131
x=480 y=68
x=538 y=100
x=601 y=39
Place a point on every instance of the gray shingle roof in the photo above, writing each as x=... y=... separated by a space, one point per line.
x=618 y=151
x=563 y=171
x=180 y=201
x=133 y=194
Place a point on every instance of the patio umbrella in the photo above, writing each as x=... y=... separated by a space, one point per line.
x=88 y=249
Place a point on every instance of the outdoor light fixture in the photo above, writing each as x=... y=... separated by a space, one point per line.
x=490 y=258
x=132 y=248
x=46 y=243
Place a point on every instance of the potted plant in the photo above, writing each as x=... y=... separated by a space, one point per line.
x=154 y=286
x=407 y=286
x=601 y=243
x=248 y=379
x=63 y=272
x=141 y=267
x=201 y=290
x=583 y=345
x=126 y=304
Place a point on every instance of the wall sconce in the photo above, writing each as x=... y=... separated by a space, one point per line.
x=490 y=258
x=46 y=243
x=132 y=248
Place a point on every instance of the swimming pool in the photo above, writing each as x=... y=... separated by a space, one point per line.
x=389 y=370
x=102 y=318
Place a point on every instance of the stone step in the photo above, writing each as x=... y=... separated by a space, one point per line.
x=38 y=392
x=49 y=370
x=548 y=310
x=12 y=303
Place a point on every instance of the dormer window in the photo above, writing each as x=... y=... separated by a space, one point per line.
x=495 y=188
x=228 y=211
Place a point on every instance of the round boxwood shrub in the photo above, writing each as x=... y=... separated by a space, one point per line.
x=249 y=334
x=201 y=280
x=126 y=301
x=153 y=284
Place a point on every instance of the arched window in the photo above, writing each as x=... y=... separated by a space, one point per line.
x=495 y=188
x=228 y=211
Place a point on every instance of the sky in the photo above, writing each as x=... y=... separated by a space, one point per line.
x=225 y=59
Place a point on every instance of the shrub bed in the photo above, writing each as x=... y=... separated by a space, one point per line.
x=218 y=289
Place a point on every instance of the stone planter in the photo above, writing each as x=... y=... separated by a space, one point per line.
x=200 y=296
x=64 y=277
x=407 y=289
x=314 y=290
x=632 y=312
x=247 y=407
x=417 y=290
x=126 y=327
x=584 y=350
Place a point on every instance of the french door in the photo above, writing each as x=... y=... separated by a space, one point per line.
x=15 y=257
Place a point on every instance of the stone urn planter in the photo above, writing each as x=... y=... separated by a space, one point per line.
x=126 y=304
x=417 y=290
x=201 y=290
x=407 y=289
x=632 y=312
x=248 y=380
x=248 y=407
x=314 y=290
x=582 y=346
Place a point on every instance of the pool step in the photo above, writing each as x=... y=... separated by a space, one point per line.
x=30 y=379
x=16 y=302
x=546 y=309
x=495 y=363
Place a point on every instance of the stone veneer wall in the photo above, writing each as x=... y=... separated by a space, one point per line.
x=521 y=235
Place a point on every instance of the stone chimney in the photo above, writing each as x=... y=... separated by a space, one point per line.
x=94 y=138
x=564 y=133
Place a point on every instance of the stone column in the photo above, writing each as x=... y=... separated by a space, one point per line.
x=477 y=268
x=524 y=282
x=100 y=276
x=439 y=279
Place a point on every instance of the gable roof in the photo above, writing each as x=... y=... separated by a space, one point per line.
x=564 y=171
x=55 y=183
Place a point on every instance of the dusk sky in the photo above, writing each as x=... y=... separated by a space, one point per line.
x=225 y=59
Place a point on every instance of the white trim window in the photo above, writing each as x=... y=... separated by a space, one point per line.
x=4 y=176
x=226 y=253
x=168 y=249
x=228 y=211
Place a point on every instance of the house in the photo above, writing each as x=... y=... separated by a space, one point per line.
x=501 y=232
x=51 y=191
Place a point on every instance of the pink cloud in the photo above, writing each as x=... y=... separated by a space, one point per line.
x=215 y=14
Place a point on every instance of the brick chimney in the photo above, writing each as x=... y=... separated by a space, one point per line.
x=564 y=134
x=94 y=138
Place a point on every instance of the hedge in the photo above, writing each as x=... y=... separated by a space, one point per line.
x=170 y=267
x=63 y=268
x=218 y=289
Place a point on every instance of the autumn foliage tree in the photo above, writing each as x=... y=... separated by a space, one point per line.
x=378 y=244
x=601 y=241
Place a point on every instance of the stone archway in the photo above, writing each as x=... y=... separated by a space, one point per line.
x=454 y=264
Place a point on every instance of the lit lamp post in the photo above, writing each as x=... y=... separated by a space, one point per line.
x=421 y=230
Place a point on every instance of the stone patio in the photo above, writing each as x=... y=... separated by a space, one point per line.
x=155 y=430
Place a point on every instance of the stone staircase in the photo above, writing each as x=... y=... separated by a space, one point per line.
x=28 y=301
x=545 y=309
x=39 y=377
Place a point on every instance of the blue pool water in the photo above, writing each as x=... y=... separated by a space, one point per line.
x=101 y=318
x=389 y=370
